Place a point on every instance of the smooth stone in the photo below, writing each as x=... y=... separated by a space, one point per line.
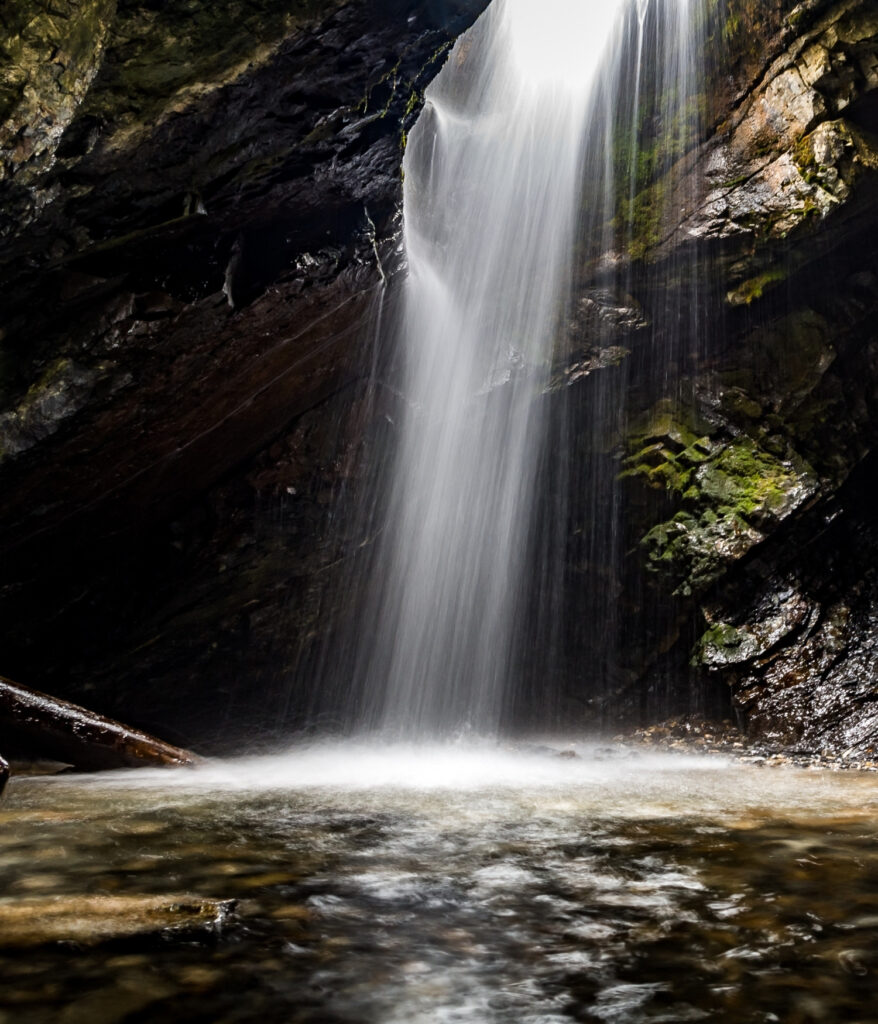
x=90 y=920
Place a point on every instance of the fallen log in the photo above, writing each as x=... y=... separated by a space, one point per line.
x=4 y=775
x=77 y=736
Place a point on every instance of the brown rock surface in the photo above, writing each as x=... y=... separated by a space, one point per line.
x=35 y=921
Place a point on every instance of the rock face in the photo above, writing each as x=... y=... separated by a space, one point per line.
x=799 y=144
x=748 y=486
x=199 y=208
x=199 y=215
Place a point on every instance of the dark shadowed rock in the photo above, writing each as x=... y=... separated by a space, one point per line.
x=199 y=214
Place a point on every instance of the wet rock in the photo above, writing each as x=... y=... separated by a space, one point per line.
x=818 y=694
x=694 y=734
x=597 y=335
x=791 y=395
x=783 y=160
x=730 y=492
x=584 y=363
x=4 y=774
x=92 y=920
x=793 y=631
x=724 y=644
x=253 y=147
x=600 y=311
x=63 y=390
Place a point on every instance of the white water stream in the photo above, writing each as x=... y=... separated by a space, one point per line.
x=492 y=198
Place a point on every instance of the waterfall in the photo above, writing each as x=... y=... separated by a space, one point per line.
x=512 y=161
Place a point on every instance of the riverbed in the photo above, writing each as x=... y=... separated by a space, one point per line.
x=467 y=884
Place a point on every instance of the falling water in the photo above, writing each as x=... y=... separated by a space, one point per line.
x=511 y=176
x=492 y=173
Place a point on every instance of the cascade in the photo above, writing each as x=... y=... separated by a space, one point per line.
x=512 y=162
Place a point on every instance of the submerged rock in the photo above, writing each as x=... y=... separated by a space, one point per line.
x=92 y=920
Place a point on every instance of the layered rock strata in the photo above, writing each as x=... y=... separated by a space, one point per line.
x=199 y=206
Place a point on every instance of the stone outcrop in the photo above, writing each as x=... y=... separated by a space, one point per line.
x=757 y=462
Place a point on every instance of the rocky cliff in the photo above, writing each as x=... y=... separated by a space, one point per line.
x=196 y=202
x=749 y=482
x=199 y=212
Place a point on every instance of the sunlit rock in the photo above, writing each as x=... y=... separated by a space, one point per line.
x=34 y=921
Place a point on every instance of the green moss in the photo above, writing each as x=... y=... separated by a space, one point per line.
x=804 y=159
x=722 y=635
x=665 y=450
x=753 y=289
x=732 y=27
x=796 y=16
x=744 y=25
x=726 y=493
x=414 y=101
x=746 y=482
x=645 y=142
x=640 y=220
x=161 y=52
x=722 y=644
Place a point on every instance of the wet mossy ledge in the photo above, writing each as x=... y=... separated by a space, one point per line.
x=199 y=203
x=744 y=480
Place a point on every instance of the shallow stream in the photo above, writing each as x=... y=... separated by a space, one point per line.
x=461 y=884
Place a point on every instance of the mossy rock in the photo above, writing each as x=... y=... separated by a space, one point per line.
x=666 y=448
x=753 y=289
x=729 y=493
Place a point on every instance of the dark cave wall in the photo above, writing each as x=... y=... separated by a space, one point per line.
x=196 y=200
x=198 y=204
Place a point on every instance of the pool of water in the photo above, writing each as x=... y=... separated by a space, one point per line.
x=458 y=884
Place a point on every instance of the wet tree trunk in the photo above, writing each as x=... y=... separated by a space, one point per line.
x=67 y=732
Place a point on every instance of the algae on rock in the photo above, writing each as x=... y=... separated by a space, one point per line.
x=727 y=491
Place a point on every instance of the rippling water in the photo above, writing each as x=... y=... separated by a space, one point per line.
x=458 y=884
